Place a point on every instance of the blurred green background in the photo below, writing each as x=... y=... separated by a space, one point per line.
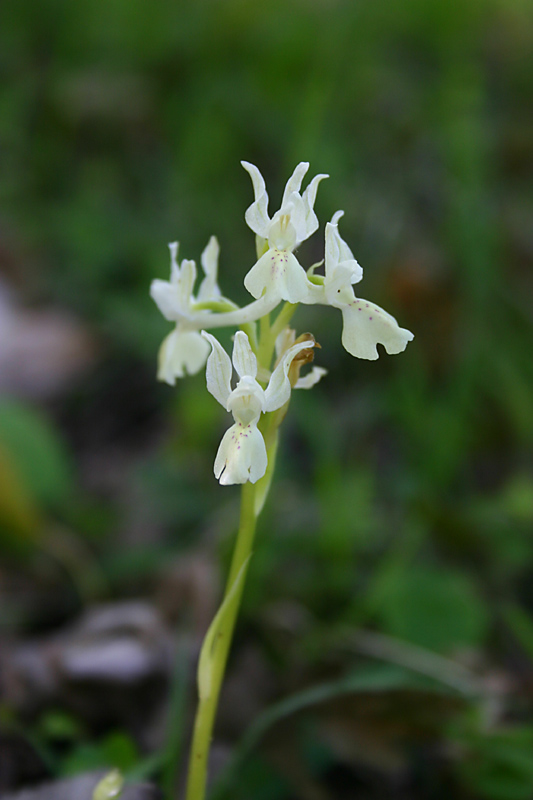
x=403 y=502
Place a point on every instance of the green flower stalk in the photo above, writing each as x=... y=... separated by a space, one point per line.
x=267 y=359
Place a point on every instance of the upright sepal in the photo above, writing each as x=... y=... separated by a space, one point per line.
x=218 y=371
x=244 y=359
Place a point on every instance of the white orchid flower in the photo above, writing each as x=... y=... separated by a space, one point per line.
x=242 y=455
x=277 y=273
x=364 y=324
x=184 y=351
x=175 y=298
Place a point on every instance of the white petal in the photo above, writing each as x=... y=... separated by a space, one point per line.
x=339 y=254
x=295 y=181
x=317 y=294
x=209 y=288
x=365 y=325
x=332 y=251
x=347 y=257
x=278 y=274
x=244 y=359
x=173 y=297
x=174 y=266
x=296 y=210
x=342 y=270
x=219 y=371
x=256 y=215
x=282 y=231
x=311 y=379
x=241 y=456
x=166 y=297
x=185 y=283
x=309 y=197
x=182 y=352
x=338 y=286
x=303 y=217
x=247 y=401
x=278 y=390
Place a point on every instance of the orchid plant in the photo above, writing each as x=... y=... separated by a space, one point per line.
x=267 y=358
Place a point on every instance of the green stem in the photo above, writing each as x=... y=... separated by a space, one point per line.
x=249 y=329
x=216 y=648
x=269 y=333
x=264 y=354
x=283 y=319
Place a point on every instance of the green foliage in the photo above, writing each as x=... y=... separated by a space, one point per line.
x=261 y=782
x=38 y=453
x=116 y=750
x=437 y=608
x=495 y=764
x=58 y=725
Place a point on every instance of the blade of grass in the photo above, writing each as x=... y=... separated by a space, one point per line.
x=375 y=679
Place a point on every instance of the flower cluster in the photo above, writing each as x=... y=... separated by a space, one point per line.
x=276 y=276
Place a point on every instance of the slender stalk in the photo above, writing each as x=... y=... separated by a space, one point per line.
x=219 y=648
x=283 y=319
x=271 y=333
x=265 y=342
x=215 y=649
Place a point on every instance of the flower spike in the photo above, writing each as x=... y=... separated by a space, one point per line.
x=277 y=275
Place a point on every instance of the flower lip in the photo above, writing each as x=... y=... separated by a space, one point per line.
x=182 y=352
x=241 y=456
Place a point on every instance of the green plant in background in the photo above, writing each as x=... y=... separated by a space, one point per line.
x=260 y=399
